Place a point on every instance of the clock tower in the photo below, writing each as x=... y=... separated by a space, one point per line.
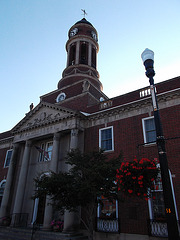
x=79 y=87
x=82 y=48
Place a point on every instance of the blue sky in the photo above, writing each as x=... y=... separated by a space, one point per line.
x=34 y=33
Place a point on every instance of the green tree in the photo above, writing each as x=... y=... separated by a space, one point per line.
x=91 y=175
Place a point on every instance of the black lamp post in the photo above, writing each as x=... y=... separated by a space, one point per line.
x=172 y=223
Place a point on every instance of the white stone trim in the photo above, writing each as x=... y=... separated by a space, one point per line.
x=10 y=150
x=144 y=129
x=100 y=130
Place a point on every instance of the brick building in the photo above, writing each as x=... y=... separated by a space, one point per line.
x=79 y=115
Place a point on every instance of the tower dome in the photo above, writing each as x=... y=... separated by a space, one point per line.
x=84 y=21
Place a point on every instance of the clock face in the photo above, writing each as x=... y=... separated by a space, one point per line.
x=73 y=32
x=94 y=36
x=60 y=97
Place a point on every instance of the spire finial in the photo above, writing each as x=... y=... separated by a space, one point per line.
x=84 y=12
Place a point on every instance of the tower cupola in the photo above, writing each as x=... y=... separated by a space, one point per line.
x=82 y=48
x=79 y=88
x=83 y=44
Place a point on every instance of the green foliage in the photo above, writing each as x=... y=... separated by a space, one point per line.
x=90 y=175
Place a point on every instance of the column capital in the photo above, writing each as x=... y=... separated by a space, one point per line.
x=74 y=139
x=28 y=143
x=56 y=136
x=15 y=145
x=74 y=132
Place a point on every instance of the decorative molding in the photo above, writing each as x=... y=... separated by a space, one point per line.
x=74 y=132
x=106 y=104
x=131 y=109
x=8 y=141
x=86 y=85
x=44 y=118
x=85 y=72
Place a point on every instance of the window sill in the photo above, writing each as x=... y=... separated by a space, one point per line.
x=108 y=151
x=150 y=144
x=44 y=161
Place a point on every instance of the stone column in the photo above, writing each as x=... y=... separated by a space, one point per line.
x=55 y=153
x=71 y=219
x=77 y=52
x=6 y=196
x=90 y=54
x=53 y=167
x=22 y=178
x=48 y=214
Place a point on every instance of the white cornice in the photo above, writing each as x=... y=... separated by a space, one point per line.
x=138 y=103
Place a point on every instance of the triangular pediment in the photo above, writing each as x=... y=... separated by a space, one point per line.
x=43 y=114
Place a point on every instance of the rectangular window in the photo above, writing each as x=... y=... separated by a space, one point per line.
x=158 y=223
x=8 y=158
x=106 y=142
x=107 y=209
x=107 y=216
x=45 y=151
x=149 y=130
x=157 y=200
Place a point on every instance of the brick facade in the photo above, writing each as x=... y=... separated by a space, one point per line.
x=87 y=109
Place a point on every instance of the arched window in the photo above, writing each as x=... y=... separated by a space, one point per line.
x=93 y=60
x=84 y=53
x=72 y=55
x=2 y=187
x=39 y=206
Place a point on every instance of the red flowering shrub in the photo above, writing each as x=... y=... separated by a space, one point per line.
x=136 y=177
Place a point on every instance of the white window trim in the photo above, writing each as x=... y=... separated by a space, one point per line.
x=144 y=129
x=150 y=200
x=51 y=143
x=1 y=183
x=61 y=97
x=46 y=150
x=6 y=158
x=100 y=130
x=177 y=217
x=36 y=202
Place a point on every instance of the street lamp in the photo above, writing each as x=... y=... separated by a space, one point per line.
x=172 y=223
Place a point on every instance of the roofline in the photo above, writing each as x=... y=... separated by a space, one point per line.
x=126 y=104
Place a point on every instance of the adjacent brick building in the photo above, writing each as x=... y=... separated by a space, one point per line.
x=79 y=115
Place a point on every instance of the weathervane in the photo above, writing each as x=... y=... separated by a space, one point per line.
x=84 y=12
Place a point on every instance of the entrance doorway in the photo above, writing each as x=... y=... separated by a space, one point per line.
x=39 y=208
x=40 y=211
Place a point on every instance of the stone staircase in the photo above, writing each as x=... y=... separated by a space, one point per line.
x=8 y=233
